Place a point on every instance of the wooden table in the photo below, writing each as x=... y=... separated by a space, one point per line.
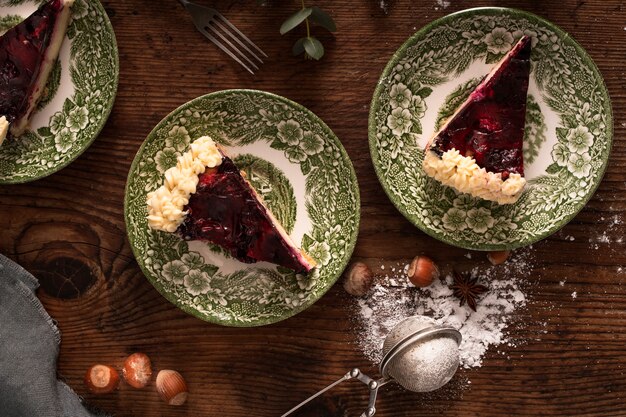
x=68 y=229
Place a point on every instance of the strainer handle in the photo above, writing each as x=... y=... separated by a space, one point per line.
x=372 y=384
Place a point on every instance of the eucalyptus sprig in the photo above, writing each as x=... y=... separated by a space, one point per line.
x=310 y=45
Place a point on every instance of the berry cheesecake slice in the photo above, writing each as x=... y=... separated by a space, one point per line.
x=479 y=150
x=28 y=52
x=206 y=197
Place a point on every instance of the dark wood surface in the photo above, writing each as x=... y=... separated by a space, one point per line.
x=68 y=229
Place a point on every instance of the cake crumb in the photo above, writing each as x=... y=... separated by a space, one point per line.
x=574 y=295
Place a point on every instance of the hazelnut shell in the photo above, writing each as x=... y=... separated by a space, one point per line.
x=422 y=271
x=171 y=387
x=498 y=257
x=137 y=370
x=102 y=379
x=358 y=279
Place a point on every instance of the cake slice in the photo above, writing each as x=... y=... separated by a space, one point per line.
x=205 y=197
x=28 y=52
x=479 y=150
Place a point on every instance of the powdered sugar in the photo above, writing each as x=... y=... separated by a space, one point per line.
x=611 y=234
x=395 y=298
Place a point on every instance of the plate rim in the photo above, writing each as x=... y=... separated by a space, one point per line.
x=374 y=105
x=259 y=322
x=106 y=114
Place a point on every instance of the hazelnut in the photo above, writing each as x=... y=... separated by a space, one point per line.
x=498 y=257
x=422 y=271
x=171 y=387
x=102 y=379
x=358 y=279
x=137 y=370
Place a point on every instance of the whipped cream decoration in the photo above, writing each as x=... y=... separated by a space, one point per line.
x=4 y=128
x=464 y=174
x=165 y=205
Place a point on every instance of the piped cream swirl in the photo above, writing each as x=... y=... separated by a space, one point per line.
x=165 y=205
x=464 y=174
x=4 y=128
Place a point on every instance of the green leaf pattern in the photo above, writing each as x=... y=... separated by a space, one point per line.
x=570 y=86
x=93 y=70
x=8 y=21
x=252 y=295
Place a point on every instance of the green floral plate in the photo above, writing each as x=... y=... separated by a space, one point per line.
x=78 y=97
x=569 y=127
x=304 y=175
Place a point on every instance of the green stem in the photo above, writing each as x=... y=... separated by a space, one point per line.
x=308 y=29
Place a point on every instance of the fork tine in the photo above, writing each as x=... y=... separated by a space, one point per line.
x=239 y=33
x=227 y=32
x=233 y=47
x=224 y=48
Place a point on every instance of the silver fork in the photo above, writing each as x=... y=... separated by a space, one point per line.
x=225 y=35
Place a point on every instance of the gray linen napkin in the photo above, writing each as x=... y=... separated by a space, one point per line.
x=29 y=347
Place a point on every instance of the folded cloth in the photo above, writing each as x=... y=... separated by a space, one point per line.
x=29 y=347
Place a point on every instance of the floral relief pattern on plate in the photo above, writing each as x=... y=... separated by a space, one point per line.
x=78 y=98
x=567 y=140
x=320 y=203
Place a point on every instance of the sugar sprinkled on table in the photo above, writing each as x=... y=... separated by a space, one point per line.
x=394 y=299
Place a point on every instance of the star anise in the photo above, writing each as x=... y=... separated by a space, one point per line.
x=467 y=289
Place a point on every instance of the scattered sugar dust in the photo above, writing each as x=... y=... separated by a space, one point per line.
x=612 y=234
x=443 y=4
x=395 y=298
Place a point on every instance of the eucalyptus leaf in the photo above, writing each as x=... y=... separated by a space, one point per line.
x=295 y=19
x=313 y=48
x=323 y=19
x=298 y=47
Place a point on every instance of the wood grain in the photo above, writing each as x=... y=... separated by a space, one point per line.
x=69 y=230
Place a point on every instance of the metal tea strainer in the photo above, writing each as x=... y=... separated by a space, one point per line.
x=417 y=354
